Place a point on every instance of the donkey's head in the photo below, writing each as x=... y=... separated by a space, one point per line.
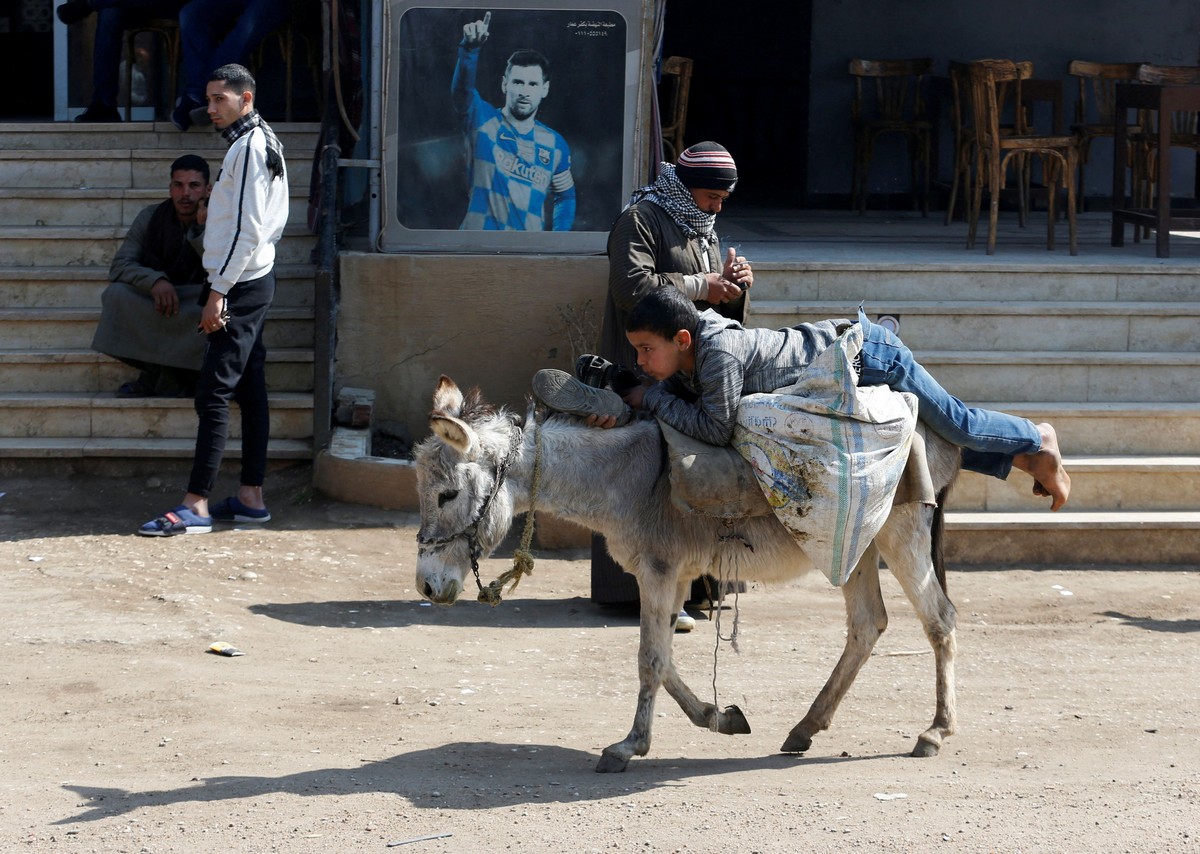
x=465 y=508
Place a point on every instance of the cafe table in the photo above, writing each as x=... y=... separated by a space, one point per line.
x=1161 y=99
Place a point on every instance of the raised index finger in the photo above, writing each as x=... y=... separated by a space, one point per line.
x=487 y=19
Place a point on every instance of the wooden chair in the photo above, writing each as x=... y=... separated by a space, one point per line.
x=285 y=38
x=1097 y=99
x=894 y=105
x=673 y=103
x=166 y=29
x=1185 y=131
x=962 y=119
x=992 y=81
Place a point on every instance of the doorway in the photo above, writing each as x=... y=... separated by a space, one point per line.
x=27 y=59
x=753 y=98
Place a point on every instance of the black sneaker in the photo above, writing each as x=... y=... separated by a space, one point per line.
x=200 y=117
x=181 y=116
x=74 y=11
x=598 y=372
x=97 y=112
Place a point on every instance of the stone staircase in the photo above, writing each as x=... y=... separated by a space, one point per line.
x=1109 y=356
x=67 y=196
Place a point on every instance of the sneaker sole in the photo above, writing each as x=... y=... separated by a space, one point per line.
x=562 y=392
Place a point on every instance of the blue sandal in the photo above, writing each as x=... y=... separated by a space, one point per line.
x=181 y=520
x=232 y=510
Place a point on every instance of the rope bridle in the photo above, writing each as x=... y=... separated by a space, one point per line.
x=522 y=557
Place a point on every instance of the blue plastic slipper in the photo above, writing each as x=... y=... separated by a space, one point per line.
x=232 y=510
x=181 y=520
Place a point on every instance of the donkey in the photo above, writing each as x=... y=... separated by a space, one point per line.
x=478 y=470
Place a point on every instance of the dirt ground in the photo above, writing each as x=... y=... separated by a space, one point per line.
x=359 y=717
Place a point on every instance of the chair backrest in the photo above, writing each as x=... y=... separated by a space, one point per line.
x=898 y=93
x=1182 y=121
x=673 y=91
x=1101 y=78
x=995 y=83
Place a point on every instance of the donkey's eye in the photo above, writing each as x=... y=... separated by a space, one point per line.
x=447 y=496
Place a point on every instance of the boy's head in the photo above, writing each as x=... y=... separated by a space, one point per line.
x=662 y=328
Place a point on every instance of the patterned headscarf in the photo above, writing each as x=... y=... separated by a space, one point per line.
x=274 y=147
x=669 y=194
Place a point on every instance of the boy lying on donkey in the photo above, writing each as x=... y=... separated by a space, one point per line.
x=705 y=363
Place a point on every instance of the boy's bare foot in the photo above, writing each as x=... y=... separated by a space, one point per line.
x=1046 y=468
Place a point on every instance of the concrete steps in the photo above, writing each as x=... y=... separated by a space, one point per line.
x=162 y=136
x=1106 y=353
x=1037 y=539
x=56 y=286
x=92 y=206
x=118 y=169
x=68 y=193
x=61 y=415
x=123 y=450
x=1067 y=325
x=94 y=246
x=973 y=280
x=87 y=371
x=72 y=328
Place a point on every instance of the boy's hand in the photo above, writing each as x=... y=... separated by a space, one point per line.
x=634 y=397
x=601 y=421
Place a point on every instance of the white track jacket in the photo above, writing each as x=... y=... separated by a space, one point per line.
x=246 y=215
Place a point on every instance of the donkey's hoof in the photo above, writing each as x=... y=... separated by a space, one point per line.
x=925 y=748
x=796 y=743
x=610 y=764
x=733 y=722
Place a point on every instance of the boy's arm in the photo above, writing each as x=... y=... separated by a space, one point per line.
x=712 y=417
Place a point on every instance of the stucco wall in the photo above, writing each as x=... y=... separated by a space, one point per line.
x=1050 y=34
x=490 y=321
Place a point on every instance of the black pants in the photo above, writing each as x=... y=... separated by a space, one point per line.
x=235 y=369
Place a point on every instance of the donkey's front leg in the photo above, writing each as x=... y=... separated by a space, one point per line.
x=654 y=662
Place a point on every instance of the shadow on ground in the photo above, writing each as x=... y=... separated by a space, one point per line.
x=457 y=776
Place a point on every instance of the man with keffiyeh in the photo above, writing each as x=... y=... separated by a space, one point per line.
x=665 y=238
x=247 y=212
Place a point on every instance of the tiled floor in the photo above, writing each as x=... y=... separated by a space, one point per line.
x=886 y=238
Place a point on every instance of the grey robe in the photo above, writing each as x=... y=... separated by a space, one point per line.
x=130 y=328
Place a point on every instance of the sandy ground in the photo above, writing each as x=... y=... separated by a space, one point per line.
x=359 y=717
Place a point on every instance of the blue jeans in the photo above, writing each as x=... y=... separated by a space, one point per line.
x=217 y=32
x=235 y=369
x=989 y=439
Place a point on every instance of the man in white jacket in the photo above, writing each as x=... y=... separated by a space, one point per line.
x=247 y=212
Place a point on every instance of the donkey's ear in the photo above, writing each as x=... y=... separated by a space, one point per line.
x=455 y=432
x=447 y=399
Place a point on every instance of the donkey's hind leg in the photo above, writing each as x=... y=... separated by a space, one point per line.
x=866 y=620
x=910 y=560
x=731 y=721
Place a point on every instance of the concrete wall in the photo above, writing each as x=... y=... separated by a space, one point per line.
x=490 y=321
x=1051 y=34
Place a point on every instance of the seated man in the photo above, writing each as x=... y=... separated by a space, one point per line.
x=150 y=314
x=705 y=364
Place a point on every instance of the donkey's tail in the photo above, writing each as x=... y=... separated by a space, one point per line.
x=937 y=533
